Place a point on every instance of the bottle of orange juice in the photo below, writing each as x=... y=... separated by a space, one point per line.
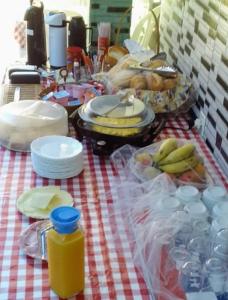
x=65 y=252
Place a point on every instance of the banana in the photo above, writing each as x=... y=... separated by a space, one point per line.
x=181 y=166
x=166 y=147
x=179 y=154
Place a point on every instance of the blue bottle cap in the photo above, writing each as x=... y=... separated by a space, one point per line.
x=65 y=219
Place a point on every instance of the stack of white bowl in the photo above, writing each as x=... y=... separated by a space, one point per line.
x=57 y=157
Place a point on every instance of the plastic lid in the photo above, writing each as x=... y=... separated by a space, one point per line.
x=65 y=219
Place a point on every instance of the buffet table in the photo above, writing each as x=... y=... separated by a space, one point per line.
x=109 y=266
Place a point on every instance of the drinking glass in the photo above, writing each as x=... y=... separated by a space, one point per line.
x=215 y=275
x=179 y=255
x=191 y=277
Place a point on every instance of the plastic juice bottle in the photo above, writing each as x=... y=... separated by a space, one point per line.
x=65 y=252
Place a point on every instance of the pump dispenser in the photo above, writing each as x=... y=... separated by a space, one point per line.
x=36 y=39
x=65 y=249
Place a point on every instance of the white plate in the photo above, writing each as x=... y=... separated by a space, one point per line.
x=62 y=166
x=103 y=106
x=56 y=147
x=84 y=115
x=38 y=202
x=57 y=175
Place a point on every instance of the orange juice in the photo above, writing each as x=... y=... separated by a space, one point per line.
x=65 y=252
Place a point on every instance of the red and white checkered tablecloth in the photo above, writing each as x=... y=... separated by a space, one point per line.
x=110 y=270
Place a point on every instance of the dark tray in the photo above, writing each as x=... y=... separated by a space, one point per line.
x=106 y=144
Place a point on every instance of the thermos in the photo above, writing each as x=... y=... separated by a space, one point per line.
x=36 y=40
x=65 y=252
x=57 y=39
x=77 y=33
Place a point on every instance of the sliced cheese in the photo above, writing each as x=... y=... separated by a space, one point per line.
x=41 y=199
x=38 y=202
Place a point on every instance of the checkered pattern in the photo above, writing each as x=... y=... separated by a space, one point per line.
x=19 y=34
x=194 y=34
x=110 y=271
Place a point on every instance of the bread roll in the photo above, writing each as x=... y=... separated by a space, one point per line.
x=154 y=81
x=138 y=82
x=122 y=78
x=169 y=83
x=117 y=52
x=110 y=60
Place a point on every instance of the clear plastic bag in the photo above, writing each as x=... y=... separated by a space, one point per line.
x=165 y=238
x=144 y=168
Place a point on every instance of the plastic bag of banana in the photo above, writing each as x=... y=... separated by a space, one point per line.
x=177 y=157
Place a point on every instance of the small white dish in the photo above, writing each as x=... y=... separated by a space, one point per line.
x=188 y=193
x=29 y=239
x=113 y=107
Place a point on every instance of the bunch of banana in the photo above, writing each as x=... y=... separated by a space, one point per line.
x=173 y=159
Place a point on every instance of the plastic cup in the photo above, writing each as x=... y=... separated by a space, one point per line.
x=215 y=275
x=188 y=194
x=221 y=237
x=191 y=278
x=212 y=195
x=201 y=227
x=179 y=255
x=183 y=235
x=196 y=210
x=221 y=251
x=168 y=204
x=217 y=225
x=220 y=210
x=199 y=248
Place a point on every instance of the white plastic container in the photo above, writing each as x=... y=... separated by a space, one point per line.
x=23 y=121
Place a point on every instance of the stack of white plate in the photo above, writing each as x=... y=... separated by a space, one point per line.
x=57 y=157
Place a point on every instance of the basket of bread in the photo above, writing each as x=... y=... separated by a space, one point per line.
x=150 y=79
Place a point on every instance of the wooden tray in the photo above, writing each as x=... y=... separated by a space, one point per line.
x=27 y=92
